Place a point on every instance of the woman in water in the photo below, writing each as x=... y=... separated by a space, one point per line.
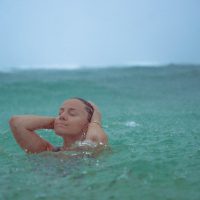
x=78 y=121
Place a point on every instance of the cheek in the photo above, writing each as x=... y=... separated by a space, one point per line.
x=79 y=123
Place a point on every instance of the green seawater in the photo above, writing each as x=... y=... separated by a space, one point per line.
x=152 y=118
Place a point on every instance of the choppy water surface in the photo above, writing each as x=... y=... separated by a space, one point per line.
x=152 y=118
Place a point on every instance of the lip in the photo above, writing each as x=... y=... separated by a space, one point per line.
x=60 y=124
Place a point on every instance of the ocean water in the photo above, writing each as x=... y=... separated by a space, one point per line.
x=152 y=118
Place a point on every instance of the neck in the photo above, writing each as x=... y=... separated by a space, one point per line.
x=70 y=140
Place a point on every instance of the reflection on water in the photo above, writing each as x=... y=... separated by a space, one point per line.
x=66 y=163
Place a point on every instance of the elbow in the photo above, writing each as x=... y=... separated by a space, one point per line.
x=13 y=121
x=104 y=140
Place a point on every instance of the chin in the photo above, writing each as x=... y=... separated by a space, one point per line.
x=60 y=132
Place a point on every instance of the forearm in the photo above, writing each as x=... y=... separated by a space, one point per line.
x=33 y=122
x=23 y=130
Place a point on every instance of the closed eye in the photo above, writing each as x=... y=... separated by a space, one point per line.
x=72 y=113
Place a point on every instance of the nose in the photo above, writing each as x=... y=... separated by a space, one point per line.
x=63 y=116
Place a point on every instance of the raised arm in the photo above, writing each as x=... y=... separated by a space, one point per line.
x=23 y=128
x=95 y=131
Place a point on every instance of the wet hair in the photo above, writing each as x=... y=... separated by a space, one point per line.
x=88 y=107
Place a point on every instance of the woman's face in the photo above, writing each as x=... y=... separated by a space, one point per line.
x=72 y=119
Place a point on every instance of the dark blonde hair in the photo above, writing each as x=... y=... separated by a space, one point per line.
x=88 y=107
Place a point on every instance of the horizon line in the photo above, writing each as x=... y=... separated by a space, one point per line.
x=9 y=68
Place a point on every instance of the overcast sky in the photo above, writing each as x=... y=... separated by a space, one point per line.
x=98 y=32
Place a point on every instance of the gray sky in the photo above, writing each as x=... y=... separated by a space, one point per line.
x=98 y=32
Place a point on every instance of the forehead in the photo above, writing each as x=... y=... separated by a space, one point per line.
x=73 y=103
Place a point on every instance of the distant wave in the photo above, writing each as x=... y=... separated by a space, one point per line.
x=8 y=69
x=38 y=67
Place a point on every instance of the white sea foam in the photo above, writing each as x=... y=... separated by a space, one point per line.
x=131 y=124
x=9 y=69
